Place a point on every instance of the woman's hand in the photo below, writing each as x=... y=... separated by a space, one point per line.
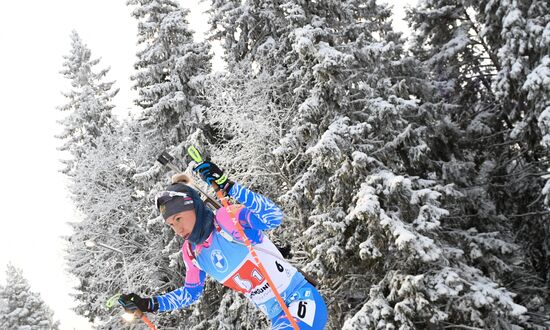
x=131 y=302
x=210 y=172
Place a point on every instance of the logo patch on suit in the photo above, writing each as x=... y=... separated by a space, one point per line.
x=219 y=261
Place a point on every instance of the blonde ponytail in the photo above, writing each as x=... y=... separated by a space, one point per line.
x=182 y=178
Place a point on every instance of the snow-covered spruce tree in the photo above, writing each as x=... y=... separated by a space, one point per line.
x=91 y=137
x=365 y=114
x=250 y=30
x=170 y=69
x=3 y=304
x=520 y=33
x=22 y=309
x=256 y=35
x=493 y=55
x=88 y=102
x=103 y=195
x=371 y=197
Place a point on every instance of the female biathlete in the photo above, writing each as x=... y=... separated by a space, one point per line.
x=212 y=245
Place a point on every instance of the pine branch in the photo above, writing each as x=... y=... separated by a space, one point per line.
x=528 y=214
x=492 y=135
x=492 y=56
x=460 y=326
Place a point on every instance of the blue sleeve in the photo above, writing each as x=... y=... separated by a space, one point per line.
x=183 y=296
x=259 y=212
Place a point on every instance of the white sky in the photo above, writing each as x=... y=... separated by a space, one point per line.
x=34 y=35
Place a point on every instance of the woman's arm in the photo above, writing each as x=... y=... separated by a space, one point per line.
x=260 y=212
x=189 y=293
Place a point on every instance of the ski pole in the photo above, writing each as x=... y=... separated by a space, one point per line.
x=145 y=320
x=194 y=153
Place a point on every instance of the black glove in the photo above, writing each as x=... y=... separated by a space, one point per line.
x=131 y=302
x=210 y=172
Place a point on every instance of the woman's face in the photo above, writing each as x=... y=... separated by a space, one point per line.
x=182 y=223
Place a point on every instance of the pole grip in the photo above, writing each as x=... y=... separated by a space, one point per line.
x=195 y=154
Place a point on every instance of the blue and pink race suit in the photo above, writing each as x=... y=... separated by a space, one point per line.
x=225 y=257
